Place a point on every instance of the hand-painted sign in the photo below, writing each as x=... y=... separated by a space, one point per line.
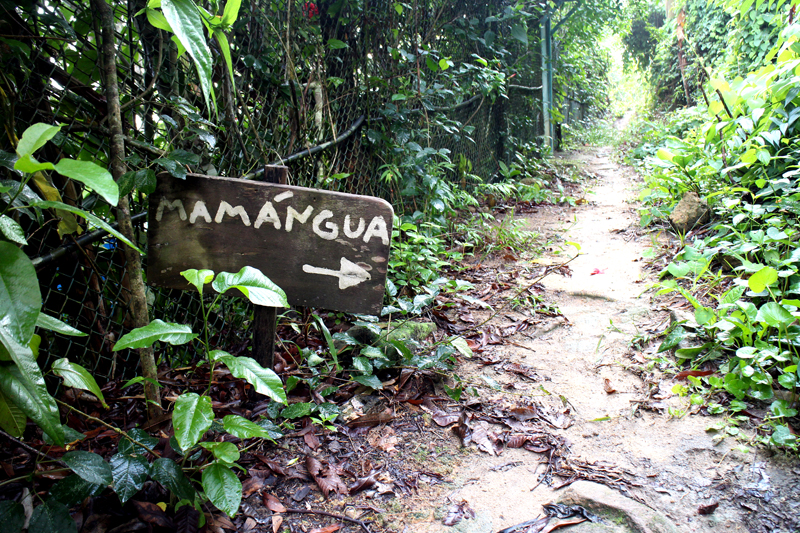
x=325 y=249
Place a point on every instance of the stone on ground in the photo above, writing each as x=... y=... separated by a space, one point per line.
x=620 y=514
x=690 y=212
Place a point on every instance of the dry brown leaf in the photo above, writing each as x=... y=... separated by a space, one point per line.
x=385 y=440
x=277 y=522
x=313 y=466
x=273 y=504
x=607 y=386
x=311 y=440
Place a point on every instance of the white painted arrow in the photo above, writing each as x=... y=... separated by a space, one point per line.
x=349 y=274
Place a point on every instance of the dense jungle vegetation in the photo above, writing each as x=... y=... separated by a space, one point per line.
x=723 y=124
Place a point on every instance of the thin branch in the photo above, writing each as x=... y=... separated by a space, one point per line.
x=30 y=448
x=331 y=515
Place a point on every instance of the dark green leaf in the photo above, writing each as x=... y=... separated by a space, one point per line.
x=73 y=489
x=91 y=174
x=272 y=429
x=53 y=324
x=129 y=473
x=226 y=452
x=243 y=428
x=297 y=410
x=75 y=375
x=12 y=516
x=192 y=417
x=264 y=380
x=52 y=517
x=157 y=330
x=223 y=488
x=127 y=446
x=89 y=466
x=12 y=419
x=185 y=158
x=184 y=19
x=257 y=287
x=369 y=381
x=173 y=167
x=20 y=298
x=11 y=230
x=672 y=339
x=171 y=476
x=520 y=33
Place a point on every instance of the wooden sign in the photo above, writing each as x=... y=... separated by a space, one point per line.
x=325 y=249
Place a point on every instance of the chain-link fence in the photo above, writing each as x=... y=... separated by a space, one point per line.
x=333 y=89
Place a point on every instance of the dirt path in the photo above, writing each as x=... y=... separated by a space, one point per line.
x=674 y=465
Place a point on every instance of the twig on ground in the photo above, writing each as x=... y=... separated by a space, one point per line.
x=331 y=515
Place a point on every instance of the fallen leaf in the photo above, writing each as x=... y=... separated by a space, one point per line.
x=607 y=386
x=152 y=514
x=277 y=522
x=707 y=509
x=457 y=512
x=273 y=504
x=311 y=440
x=362 y=483
x=694 y=373
x=385 y=440
x=327 y=529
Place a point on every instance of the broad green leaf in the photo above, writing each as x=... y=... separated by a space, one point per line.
x=762 y=279
x=91 y=174
x=192 y=417
x=198 y=278
x=70 y=435
x=75 y=375
x=226 y=452
x=11 y=230
x=12 y=419
x=100 y=223
x=297 y=410
x=672 y=339
x=53 y=324
x=12 y=516
x=231 y=12
x=369 y=381
x=157 y=330
x=238 y=426
x=129 y=473
x=157 y=19
x=272 y=429
x=445 y=64
x=264 y=380
x=29 y=165
x=73 y=489
x=89 y=466
x=128 y=447
x=219 y=35
x=257 y=287
x=520 y=33
x=362 y=364
x=52 y=517
x=23 y=384
x=171 y=476
x=184 y=18
x=223 y=488
x=336 y=44
x=460 y=344
x=704 y=316
x=665 y=155
x=35 y=137
x=783 y=436
x=775 y=315
x=20 y=298
x=782 y=408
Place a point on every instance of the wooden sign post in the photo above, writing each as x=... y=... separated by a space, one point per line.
x=324 y=249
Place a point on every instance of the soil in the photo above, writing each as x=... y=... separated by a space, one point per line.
x=596 y=365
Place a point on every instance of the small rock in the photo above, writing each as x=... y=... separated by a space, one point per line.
x=690 y=212
x=634 y=517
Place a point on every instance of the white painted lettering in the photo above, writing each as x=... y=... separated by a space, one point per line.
x=175 y=204
x=283 y=196
x=333 y=229
x=377 y=228
x=227 y=209
x=268 y=214
x=291 y=215
x=200 y=211
x=353 y=234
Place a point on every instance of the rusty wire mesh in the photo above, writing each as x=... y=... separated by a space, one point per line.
x=291 y=93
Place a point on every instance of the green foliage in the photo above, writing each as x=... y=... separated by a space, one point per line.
x=743 y=159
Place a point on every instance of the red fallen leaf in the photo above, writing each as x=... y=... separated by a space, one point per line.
x=327 y=529
x=330 y=483
x=607 y=386
x=313 y=466
x=152 y=514
x=695 y=373
x=311 y=440
x=273 y=504
x=598 y=271
x=251 y=485
x=707 y=509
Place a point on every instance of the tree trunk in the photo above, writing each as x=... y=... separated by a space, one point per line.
x=133 y=262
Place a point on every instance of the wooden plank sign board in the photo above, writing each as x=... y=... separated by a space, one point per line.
x=324 y=249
